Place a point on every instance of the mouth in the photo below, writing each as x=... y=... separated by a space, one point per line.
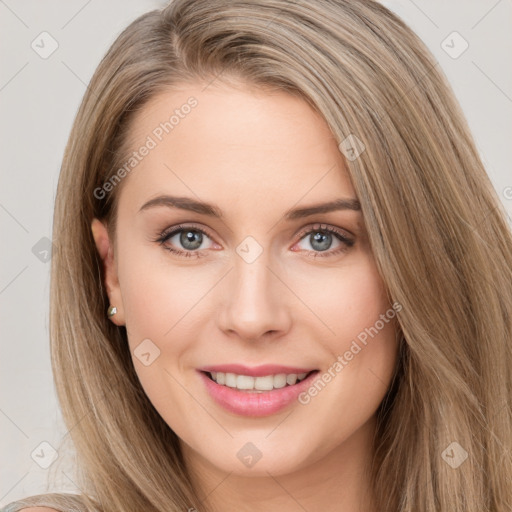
x=263 y=393
x=260 y=384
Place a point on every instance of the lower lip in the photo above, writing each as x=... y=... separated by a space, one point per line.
x=247 y=403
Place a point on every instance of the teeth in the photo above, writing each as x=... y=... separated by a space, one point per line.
x=291 y=379
x=244 y=382
x=231 y=380
x=266 y=383
x=280 y=380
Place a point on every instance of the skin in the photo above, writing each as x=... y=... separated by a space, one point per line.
x=38 y=509
x=255 y=154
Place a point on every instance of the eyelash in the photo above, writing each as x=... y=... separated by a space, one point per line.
x=317 y=228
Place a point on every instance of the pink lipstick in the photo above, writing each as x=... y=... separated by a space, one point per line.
x=258 y=390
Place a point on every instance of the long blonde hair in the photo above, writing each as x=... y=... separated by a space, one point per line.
x=437 y=230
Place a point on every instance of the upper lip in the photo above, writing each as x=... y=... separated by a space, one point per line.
x=255 y=371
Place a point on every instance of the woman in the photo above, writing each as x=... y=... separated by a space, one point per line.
x=283 y=278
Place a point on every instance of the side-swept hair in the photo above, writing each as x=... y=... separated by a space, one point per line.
x=437 y=230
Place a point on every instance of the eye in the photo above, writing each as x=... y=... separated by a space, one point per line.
x=320 y=237
x=190 y=237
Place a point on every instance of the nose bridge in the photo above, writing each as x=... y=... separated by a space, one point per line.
x=252 y=277
x=253 y=304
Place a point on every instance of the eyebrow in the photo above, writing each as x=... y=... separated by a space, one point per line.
x=189 y=204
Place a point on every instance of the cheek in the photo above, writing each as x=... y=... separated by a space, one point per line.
x=348 y=299
x=156 y=294
x=360 y=355
x=362 y=340
x=158 y=301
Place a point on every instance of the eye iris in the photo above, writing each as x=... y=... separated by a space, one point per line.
x=191 y=239
x=323 y=238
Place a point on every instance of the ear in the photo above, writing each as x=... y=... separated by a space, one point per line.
x=106 y=251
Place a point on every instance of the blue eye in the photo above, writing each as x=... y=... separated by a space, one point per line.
x=191 y=238
x=321 y=237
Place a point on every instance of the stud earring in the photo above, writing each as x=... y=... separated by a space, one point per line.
x=112 y=310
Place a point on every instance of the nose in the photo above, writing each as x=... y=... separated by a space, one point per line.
x=253 y=301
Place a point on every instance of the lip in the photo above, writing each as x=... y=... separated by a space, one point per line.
x=253 y=404
x=255 y=371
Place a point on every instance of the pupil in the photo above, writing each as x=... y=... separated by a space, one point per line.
x=191 y=239
x=324 y=240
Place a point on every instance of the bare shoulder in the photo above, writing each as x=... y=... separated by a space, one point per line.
x=38 y=509
x=50 y=502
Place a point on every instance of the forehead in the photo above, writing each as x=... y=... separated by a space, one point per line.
x=234 y=146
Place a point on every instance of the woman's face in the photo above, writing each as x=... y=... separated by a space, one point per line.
x=255 y=290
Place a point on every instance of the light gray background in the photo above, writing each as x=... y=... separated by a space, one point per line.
x=39 y=98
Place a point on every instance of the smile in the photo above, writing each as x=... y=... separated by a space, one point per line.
x=256 y=384
x=257 y=391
